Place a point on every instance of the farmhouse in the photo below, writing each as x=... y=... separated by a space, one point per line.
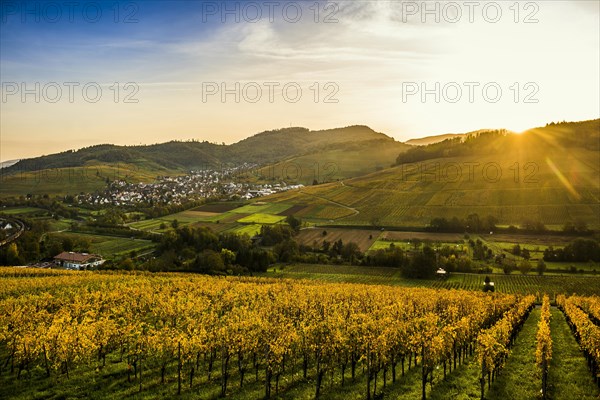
x=78 y=261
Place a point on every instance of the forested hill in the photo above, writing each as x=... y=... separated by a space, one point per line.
x=583 y=135
x=262 y=148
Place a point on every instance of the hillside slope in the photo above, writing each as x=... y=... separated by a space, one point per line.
x=332 y=154
x=546 y=174
x=262 y=148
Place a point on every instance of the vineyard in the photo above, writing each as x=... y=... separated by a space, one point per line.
x=162 y=335
x=513 y=284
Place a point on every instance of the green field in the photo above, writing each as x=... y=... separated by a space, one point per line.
x=260 y=218
x=260 y=207
x=21 y=210
x=183 y=218
x=110 y=246
x=250 y=230
x=253 y=213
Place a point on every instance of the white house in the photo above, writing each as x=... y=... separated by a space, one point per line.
x=78 y=261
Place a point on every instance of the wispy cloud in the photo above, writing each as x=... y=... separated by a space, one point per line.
x=369 y=52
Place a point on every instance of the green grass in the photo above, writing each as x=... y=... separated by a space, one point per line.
x=460 y=384
x=61 y=224
x=249 y=230
x=260 y=218
x=405 y=245
x=110 y=382
x=183 y=218
x=520 y=379
x=268 y=208
x=21 y=210
x=149 y=224
x=385 y=244
x=110 y=246
x=568 y=376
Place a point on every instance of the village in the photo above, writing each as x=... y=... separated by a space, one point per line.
x=224 y=183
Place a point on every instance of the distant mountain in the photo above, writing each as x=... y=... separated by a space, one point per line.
x=427 y=140
x=9 y=163
x=424 y=141
x=262 y=148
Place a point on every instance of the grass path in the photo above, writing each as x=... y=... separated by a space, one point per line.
x=568 y=377
x=520 y=378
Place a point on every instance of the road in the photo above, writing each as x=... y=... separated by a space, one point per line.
x=16 y=235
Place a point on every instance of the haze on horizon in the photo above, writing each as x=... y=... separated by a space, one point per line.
x=356 y=62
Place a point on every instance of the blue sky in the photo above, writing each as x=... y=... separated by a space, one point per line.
x=354 y=62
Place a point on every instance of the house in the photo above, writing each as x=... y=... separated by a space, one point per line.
x=78 y=261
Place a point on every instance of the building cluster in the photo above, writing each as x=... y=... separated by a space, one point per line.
x=228 y=183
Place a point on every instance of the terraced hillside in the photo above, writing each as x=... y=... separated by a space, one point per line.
x=548 y=174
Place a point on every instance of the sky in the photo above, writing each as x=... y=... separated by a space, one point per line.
x=75 y=74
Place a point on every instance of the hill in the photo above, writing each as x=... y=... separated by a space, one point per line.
x=336 y=161
x=6 y=164
x=424 y=141
x=355 y=150
x=428 y=140
x=262 y=148
x=547 y=174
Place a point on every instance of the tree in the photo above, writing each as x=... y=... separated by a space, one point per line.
x=474 y=223
x=273 y=234
x=287 y=250
x=508 y=266
x=524 y=267
x=55 y=248
x=569 y=227
x=422 y=265
x=581 y=226
x=228 y=256
x=12 y=254
x=67 y=244
x=350 y=252
x=516 y=250
x=491 y=222
x=293 y=222
x=84 y=244
x=336 y=249
x=208 y=261
x=111 y=217
x=126 y=264
x=541 y=267
x=525 y=254
x=175 y=224
x=416 y=243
